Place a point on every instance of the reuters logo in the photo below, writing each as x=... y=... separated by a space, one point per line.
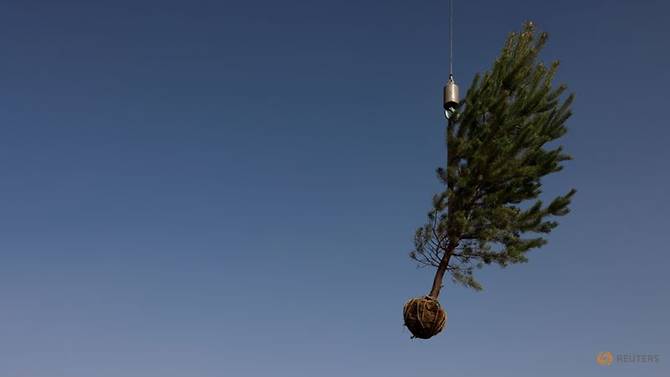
x=605 y=358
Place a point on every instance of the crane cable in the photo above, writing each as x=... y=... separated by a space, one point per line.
x=451 y=38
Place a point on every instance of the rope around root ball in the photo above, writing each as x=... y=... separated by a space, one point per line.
x=424 y=317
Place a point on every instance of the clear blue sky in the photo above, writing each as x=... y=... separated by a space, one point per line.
x=224 y=188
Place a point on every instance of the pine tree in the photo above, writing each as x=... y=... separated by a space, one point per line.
x=499 y=147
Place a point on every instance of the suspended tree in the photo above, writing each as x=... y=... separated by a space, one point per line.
x=500 y=144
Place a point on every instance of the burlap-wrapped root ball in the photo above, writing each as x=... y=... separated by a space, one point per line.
x=424 y=317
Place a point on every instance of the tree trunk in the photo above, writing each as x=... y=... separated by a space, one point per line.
x=441 y=269
x=444 y=262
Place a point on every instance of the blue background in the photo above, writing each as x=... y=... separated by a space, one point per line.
x=230 y=188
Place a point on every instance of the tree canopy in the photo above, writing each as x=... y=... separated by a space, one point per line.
x=500 y=144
